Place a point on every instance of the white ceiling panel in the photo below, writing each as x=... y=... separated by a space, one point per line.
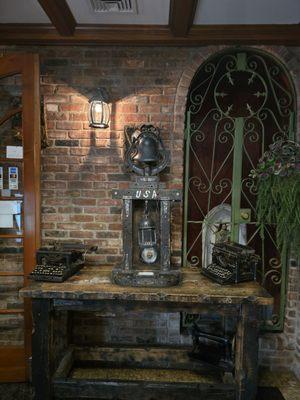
x=247 y=12
x=22 y=11
x=157 y=12
x=148 y=12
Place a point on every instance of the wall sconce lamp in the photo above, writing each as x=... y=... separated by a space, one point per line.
x=99 y=112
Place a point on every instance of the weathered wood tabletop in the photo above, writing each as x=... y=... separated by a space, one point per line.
x=94 y=283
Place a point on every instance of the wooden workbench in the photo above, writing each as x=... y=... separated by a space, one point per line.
x=54 y=375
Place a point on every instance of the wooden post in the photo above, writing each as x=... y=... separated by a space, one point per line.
x=165 y=246
x=127 y=234
x=42 y=352
x=246 y=357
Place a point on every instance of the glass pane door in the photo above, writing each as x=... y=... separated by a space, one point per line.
x=19 y=207
x=11 y=223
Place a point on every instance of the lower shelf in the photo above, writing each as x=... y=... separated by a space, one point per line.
x=95 y=378
x=144 y=375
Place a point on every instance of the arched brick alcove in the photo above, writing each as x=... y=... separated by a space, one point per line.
x=277 y=350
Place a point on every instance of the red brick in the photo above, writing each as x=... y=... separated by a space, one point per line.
x=82 y=218
x=78 y=117
x=135 y=118
x=69 y=210
x=56 y=99
x=72 y=107
x=80 y=185
x=149 y=108
x=94 y=193
x=96 y=210
x=48 y=225
x=81 y=234
x=69 y=160
x=69 y=125
x=55 y=218
x=161 y=99
x=85 y=202
x=81 y=168
x=125 y=108
x=80 y=151
x=68 y=176
x=115 y=227
x=68 y=226
x=57 y=150
x=56 y=116
x=92 y=226
x=54 y=185
x=93 y=177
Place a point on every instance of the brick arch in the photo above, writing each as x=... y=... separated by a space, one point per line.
x=286 y=340
x=278 y=52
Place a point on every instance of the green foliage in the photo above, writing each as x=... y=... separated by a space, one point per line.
x=278 y=197
x=278 y=202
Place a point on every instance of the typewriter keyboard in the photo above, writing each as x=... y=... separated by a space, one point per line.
x=217 y=270
x=53 y=273
x=217 y=273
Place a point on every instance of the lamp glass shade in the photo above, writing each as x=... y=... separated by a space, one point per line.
x=99 y=114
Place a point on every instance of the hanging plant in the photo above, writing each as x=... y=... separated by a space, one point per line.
x=278 y=192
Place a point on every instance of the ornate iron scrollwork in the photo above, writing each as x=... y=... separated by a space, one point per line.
x=239 y=103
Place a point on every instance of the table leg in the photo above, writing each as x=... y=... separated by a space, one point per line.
x=41 y=348
x=246 y=356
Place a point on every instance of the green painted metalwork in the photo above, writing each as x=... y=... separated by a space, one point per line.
x=186 y=173
x=237 y=178
x=239 y=102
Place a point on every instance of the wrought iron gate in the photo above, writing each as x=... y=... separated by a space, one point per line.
x=239 y=103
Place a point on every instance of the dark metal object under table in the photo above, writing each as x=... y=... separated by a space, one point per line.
x=54 y=359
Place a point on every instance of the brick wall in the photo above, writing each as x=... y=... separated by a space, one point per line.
x=81 y=166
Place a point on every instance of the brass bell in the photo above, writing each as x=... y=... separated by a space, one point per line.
x=147 y=150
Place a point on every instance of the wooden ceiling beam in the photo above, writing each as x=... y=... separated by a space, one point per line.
x=151 y=35
x=60 y=15
x=181 y=17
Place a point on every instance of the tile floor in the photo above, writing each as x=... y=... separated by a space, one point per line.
x=286 y=382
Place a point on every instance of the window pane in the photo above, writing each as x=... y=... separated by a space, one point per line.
x=10 y=118
x=11 y=218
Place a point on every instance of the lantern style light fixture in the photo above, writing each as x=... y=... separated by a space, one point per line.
x=99 y=112
x=147 y=238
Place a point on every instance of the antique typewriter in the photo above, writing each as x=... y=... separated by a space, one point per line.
x=232 y=263
x=59 y=262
